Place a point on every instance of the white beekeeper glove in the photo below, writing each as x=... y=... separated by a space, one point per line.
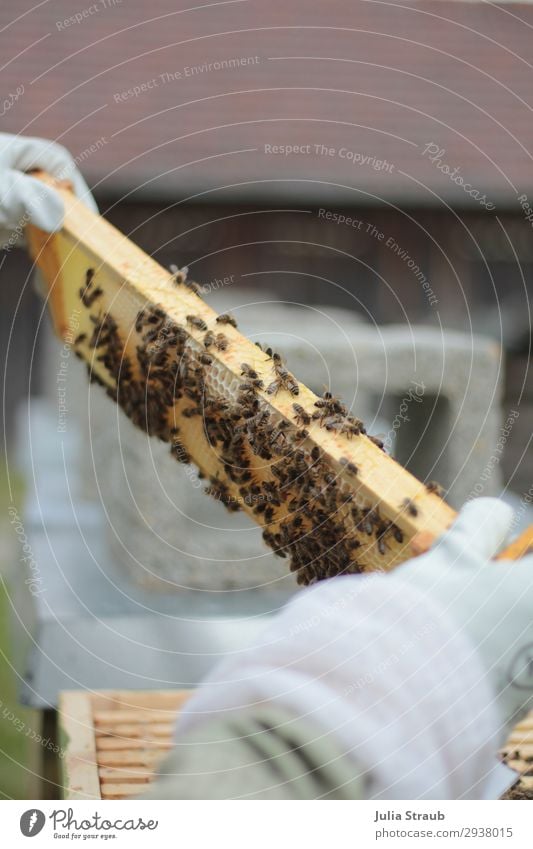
x=492 y=601
x=25 y=199
x=390 y=665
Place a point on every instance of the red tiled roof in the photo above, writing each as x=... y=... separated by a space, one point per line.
x=376 y=79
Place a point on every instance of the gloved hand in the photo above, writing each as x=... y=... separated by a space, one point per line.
x=24 y=199
x=492 y=601
x=405 y=670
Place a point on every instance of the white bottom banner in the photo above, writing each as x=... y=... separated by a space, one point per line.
x=266 y=825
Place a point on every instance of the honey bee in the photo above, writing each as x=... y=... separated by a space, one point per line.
x=196 y=322
x=269 y=514
x=292 y=386
x=433 y=486
x=221 y=342
x=226 y=318
x=410 y=506
x=331 y=404
x=179 y=275
x=352 y=427
x=382 y=547
x=209 y=339
x=179 y=278
x=191 y=412
x=349 y=466
x=248 y=371
x=179 y=451
x=398 y=535
x=206 y=359
x=274 y=387
x=87 y=294
x=366 y=524
x=247 y=387
x=284 y=379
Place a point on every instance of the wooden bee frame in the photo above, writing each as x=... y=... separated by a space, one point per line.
x=363 y=510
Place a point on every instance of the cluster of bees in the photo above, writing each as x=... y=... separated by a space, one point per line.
x=310 y=515
x=520 y=790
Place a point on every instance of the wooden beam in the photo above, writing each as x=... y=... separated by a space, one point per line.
x=79 y=762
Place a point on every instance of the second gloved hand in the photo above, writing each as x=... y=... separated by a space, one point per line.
x=491 y=601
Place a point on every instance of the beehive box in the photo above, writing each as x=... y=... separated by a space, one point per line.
x=114 y=741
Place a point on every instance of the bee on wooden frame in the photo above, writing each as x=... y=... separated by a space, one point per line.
x=221 y=342
x=196 y=322
x=248 y=371
x=410 y=507
x=87 y=294
x=226 y=318
x=209 y=339
x=433 y=486
x=349 y=466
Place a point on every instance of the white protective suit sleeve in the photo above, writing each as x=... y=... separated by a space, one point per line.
x=382 y=665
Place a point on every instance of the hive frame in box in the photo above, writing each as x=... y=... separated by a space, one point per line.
x=113 y=740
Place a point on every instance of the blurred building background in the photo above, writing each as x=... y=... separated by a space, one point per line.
x=228 y=137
